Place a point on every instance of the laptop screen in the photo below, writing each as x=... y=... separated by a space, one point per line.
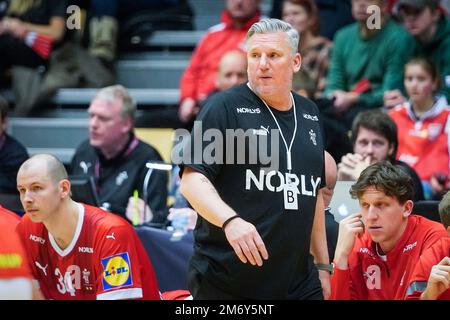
x=342 y=204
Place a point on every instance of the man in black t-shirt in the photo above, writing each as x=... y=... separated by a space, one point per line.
x=256 y=185
x=117 y=160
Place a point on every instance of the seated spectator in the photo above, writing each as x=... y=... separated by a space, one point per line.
x=431 y=277
x=29 y=30
x=81 y=252
x=314 y=49
x=374 y=138
x=423 y=123
x=431 y=30
x=198 y=80
x=332 y=227
x=12 y=153
x=232 y=70
x=366 y=61
x=117 y=159
x=370 y=260
x=29 y=33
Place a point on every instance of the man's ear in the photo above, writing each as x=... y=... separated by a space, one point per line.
x=129 y=124
x=407 y=208
x=297 y=62
x=391 y=149
x=64 y=188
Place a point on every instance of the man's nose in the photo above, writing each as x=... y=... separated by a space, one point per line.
x=93 y=122
x=27 y=197
x=263 y=63
x=372 y=213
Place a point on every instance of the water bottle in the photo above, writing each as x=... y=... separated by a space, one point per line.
x=179 y=226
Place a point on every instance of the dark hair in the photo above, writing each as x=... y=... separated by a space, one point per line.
x=393 y=180
x=428 y=66
x=313 y=13
x=4 y=106
x=444 y=210
x=379 y=122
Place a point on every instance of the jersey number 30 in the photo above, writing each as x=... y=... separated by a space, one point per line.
x=70 y=281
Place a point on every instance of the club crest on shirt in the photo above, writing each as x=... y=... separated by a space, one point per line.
x=116 y=271
x=312 y=137
x=434 y=129
x=121 y=177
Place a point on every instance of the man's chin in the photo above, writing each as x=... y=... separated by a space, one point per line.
x=34 y=216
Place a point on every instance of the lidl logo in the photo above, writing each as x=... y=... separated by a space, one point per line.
x=10 y=261
x=116 y=271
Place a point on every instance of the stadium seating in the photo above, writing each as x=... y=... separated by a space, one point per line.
x=152 y=74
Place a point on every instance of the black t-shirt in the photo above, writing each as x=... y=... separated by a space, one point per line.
x=12 y=155
x=117 y=178
x=258 y=195
x=42 y=13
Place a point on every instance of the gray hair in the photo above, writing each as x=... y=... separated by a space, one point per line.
x=119 y=92
x=273 y=26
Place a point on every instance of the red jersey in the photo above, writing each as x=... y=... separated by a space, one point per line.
x=105 y=260
x=424 y=143
x=199 y=78
x=421 y=273
x=371 y=276
x=13 y=263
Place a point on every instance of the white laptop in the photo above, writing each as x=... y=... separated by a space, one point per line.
x=342 y=204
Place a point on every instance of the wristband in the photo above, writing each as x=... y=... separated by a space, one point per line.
x=228 y=221
x=325 y=267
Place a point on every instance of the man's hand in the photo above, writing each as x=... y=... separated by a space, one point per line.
x=188 y=109
x=439 y=280
x=15 y=27
x=351 y=166
x=392 y=98
x=349 y=228
x=324 y=277
x=135 y=211
x=246 y=241
x=344 y=100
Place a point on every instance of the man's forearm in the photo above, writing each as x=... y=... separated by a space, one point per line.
x=203 y=197
x=319 y=247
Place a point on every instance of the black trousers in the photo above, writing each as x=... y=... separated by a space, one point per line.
x=14 y=52
x=201 y=289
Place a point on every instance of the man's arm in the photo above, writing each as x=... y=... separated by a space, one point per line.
x=242 y=235
x=318 y=246
x=349 y=228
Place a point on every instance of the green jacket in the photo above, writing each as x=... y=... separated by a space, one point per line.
x=438 y=50
x=379 y=59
